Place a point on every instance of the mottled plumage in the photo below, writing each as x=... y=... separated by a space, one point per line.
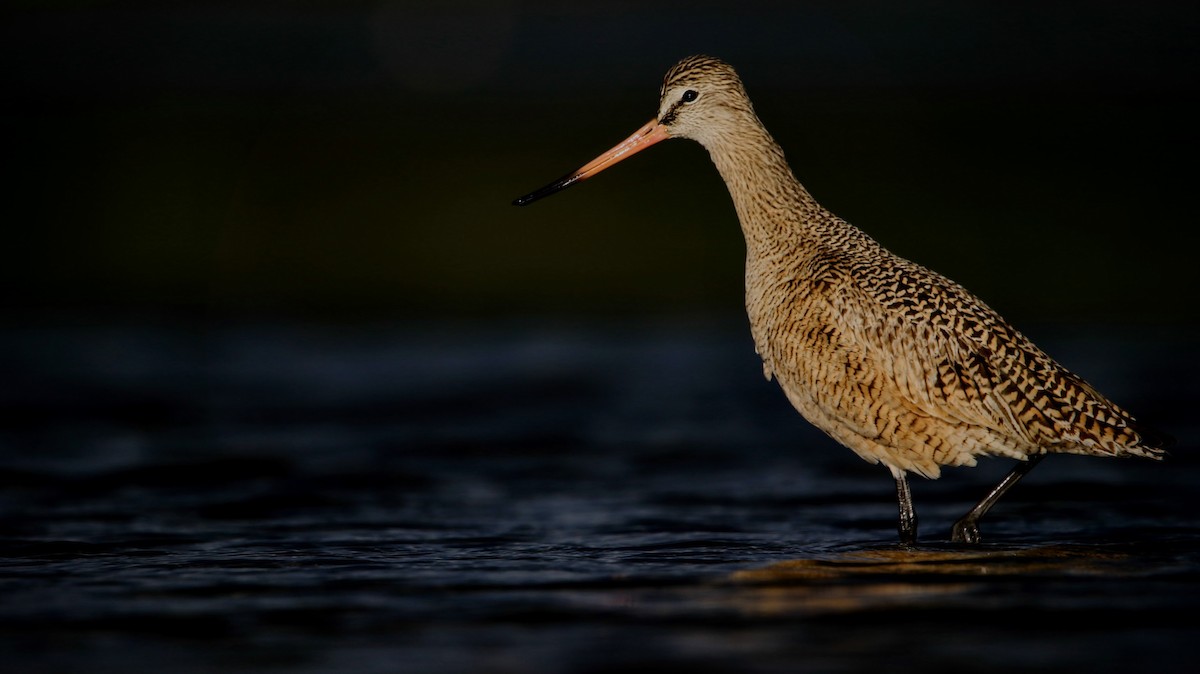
x=896 y=362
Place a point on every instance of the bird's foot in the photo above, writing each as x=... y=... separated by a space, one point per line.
x=965 y=531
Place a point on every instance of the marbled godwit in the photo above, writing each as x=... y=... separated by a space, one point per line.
x=896 y=362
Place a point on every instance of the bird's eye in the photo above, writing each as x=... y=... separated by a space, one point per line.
x=690 y=95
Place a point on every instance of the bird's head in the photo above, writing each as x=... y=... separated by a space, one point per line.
x=701 y=98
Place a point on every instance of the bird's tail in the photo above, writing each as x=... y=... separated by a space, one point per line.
x=1154 y=442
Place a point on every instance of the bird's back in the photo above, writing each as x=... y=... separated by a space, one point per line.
x=908 y=368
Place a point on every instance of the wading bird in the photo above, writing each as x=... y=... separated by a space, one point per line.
x=896 y=362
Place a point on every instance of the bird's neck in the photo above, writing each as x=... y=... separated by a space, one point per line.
x=775 y=210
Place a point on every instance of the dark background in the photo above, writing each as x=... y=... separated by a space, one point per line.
x=356 y=160
x=287 y=384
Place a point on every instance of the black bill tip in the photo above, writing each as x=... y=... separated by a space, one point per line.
x=556 y=186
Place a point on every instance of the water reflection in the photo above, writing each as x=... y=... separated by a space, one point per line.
x=944 y=562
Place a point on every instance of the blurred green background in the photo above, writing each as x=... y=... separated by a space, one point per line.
x=357 y=159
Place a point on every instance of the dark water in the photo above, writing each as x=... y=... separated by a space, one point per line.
x=549 y=498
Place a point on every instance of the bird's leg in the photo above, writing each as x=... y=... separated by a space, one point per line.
x=966 y=530
x=908 y=516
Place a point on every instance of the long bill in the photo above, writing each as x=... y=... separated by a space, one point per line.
x=643 y=138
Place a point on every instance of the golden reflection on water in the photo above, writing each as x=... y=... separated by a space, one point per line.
x=864 y=579
x=1060 y=559
x=778 y=600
